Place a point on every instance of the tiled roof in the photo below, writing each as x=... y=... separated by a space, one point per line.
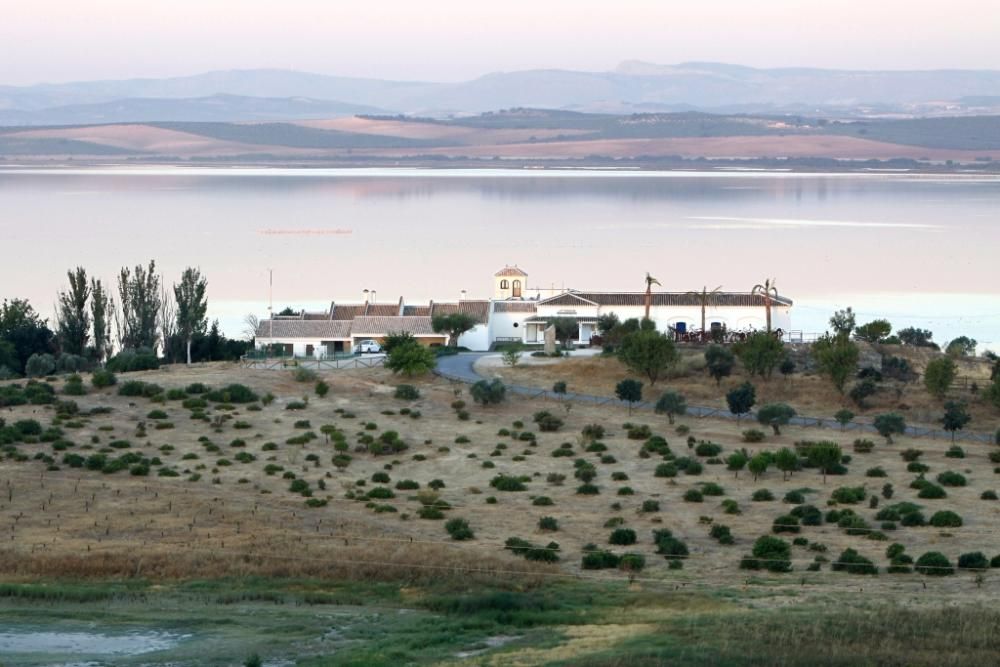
x=377 y=326
x=514 y=307
x=508 y=271
x=416 y=311
x=662 y=299
x=480 y=309
x=348 y=311
x=382 y=310
x=324 y=329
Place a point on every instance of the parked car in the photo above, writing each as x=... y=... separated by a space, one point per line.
x=369 y=346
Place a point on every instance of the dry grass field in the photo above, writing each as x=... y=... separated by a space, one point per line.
x=223 y=516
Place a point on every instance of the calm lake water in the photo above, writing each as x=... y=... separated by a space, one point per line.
x=918 y=250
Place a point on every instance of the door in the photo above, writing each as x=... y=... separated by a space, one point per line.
x=516 y=290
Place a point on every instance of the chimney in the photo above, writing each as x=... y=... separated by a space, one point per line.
x=364 y=296
x=462 y=297
x=373 y=297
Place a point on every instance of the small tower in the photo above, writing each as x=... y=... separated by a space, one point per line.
x=509 y=282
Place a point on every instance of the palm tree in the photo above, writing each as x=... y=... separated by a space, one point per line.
x=650 y=281
x=706 y=298
x=769 y=292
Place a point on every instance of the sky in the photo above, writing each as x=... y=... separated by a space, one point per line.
x=452 y=40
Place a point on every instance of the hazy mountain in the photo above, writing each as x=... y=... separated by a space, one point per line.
x=201 y=109
x=632 y=87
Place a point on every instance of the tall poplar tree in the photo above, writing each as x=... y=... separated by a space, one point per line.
x=192 y=306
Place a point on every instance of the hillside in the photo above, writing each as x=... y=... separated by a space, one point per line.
x=212 y=472
x=524 y=136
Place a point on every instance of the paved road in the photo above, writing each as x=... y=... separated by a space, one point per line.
x=461 y=367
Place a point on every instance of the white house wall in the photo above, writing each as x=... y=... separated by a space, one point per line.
x=476 y=339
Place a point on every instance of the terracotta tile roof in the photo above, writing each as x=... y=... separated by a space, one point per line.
x=382 y=310
x=416 y=311
x=347 y=311
x=480 y=309
x=661 y=299
x=378 y=326
x=508 y=271
x=514 y=306
x=321 y=329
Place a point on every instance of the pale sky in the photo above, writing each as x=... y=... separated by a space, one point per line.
x=450 y=40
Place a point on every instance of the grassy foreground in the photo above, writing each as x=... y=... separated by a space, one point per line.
x=317 y=623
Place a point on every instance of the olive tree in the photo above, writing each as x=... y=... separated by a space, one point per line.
x=648 y=353
x=629 y=391
x=719 y=362
x=741 y=399
x=670 y=404
x=454 y=324
x=939 y=375
x=956 y=417
x=890 y=424
x=775 y=415
x=836 y=357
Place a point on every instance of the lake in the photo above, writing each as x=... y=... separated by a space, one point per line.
x=918 y=250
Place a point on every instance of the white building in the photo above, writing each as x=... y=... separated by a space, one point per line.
x=519 y=312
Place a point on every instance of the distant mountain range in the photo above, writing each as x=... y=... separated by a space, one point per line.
x=633 y=87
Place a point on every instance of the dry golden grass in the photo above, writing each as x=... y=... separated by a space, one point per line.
x=73 y=521
x=810 y=394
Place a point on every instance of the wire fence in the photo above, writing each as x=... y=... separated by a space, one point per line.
x=702 y=412
x=327 y=364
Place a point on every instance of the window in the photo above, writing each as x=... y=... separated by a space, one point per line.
x=517 y=289
x=515 y=325
x=504 y=284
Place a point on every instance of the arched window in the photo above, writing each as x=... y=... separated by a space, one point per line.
x=517 y=289
x=504 y=284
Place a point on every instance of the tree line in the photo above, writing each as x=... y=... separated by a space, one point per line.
x=150 y=321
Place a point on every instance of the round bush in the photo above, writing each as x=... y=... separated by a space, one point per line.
x=975 y=560
x=548 y=523
x=946 y=519
x=934 y=564
x=950 y=478
x=622 y=536
x=762 y=495
x=693 y=496
x=459 y=529
x=786 y=524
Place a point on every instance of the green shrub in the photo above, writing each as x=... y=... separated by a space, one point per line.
x=508 y=483
x=548 y=523
x=762 y=495
x=931 y=491
x=974 y=560
x=321 y=388
x=486 y=392
x=233 y=393
x=693 y=496
x=768 y=553
x=753 y=435
x=707 y=449
x=548 y=554
x=598 y=559
x=407 y=392
x=950 y=478
x=459 y=529
x=712 y=489
x=848 y=495
x=665 y=470
x=955 y=452
x=622 y=536
x=670 y=547
x=877 y=471
x=786 y=523
x=794 y=497
x=721 y=533
x=852 y=562
x=547 y=422
x=650 y=506
x=946 y=519
x=934 y=564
